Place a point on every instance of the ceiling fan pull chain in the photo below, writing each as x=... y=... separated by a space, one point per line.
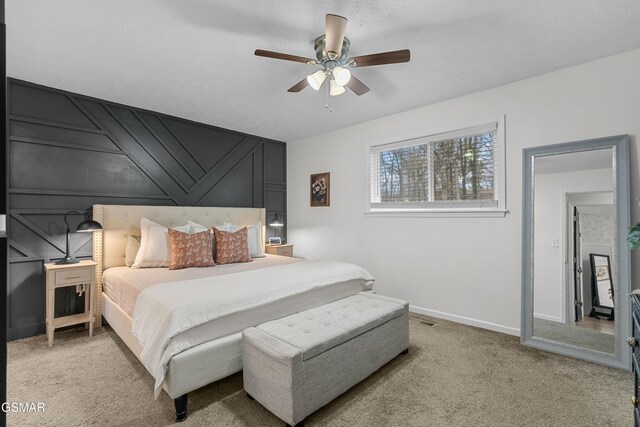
x=326 y=99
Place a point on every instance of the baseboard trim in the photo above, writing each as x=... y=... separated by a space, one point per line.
x=547 y=317
x=465 y=320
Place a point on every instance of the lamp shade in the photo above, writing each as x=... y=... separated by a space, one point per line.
x=276 y=222
x=341 y=75
x=316 y=79
x=335 y=89
x=88 y=225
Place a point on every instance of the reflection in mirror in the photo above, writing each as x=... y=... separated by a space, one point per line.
x=574 y=217
x=575 y=259
x=601 y=287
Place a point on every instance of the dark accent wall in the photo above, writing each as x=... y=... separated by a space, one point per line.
x=69 y=152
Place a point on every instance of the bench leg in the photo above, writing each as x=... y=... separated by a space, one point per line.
x=181 y=408
x=405 y=351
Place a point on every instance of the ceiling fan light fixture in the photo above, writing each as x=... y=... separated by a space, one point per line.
x=335 y=89
x=316 y=79
x=341 y=75
x=332 y=55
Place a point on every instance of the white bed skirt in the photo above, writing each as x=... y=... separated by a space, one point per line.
x=191 y=369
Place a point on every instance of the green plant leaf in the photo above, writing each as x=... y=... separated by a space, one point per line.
x=633 y=238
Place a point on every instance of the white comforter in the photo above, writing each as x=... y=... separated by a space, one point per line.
x=166 y=310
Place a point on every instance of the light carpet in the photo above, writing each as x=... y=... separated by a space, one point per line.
x=454 y=375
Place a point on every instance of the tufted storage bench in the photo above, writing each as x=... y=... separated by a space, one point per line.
x=297 y=364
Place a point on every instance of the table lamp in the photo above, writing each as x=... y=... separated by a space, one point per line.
x=85 y=226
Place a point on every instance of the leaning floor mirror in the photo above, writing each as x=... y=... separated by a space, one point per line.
x=575 y=259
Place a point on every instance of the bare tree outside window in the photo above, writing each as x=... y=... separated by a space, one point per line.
x=455 y=169
x=463 y=168
x=404 y=174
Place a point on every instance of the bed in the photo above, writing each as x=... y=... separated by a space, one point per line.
x=186 y=358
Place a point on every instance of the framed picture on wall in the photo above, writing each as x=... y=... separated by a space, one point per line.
x=320 y=186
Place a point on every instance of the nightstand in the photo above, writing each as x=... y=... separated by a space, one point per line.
x=81 y=275
x=282 y=250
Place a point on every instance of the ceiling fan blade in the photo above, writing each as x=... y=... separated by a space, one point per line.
x=392 y=57
x=335 y=27
x=357 y=86
x=299 y=86
x=284 y=56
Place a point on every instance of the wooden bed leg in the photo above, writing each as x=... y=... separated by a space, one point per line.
x=250 y=397
x=405 y=351
x=181 y=408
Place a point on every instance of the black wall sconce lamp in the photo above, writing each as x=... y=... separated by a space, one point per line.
x=277 y=223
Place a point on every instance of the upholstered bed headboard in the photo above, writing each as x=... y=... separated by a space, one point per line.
x=117 y=221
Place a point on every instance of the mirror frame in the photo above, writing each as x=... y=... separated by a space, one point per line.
x=621 y=357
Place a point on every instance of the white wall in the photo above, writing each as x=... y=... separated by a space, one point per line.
x=550 y=218
x=465 y=268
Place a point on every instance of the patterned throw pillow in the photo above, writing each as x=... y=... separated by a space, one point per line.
x=190 y=250
x=232 y=246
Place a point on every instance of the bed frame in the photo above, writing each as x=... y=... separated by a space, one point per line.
x=195 y=367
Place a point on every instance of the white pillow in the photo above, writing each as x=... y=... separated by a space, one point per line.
x=197 y=228
x=131 y=249
x=254 y=237
x=228 y=227
x=154 y=245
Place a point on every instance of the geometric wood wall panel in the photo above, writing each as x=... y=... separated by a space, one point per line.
x=276 y=154
x=98 y=171
x=54 y=107
x=69 y=152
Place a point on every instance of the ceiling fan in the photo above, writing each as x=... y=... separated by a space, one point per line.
x=332 y=54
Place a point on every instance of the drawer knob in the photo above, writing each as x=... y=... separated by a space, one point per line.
x=632 y=342
x=635 y=401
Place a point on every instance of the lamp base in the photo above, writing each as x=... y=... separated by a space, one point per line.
x=68 y=260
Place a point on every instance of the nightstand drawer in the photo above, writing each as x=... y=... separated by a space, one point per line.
x=81 y=275
x=282 y=250
x=285 y=251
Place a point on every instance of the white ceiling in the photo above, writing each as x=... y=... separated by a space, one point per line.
x=194 y=58
x=578 y=161
x=608 y=209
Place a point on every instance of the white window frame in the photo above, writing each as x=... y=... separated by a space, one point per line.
x=446 y=211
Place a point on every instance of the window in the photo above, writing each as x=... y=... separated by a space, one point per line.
x=456 y=171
